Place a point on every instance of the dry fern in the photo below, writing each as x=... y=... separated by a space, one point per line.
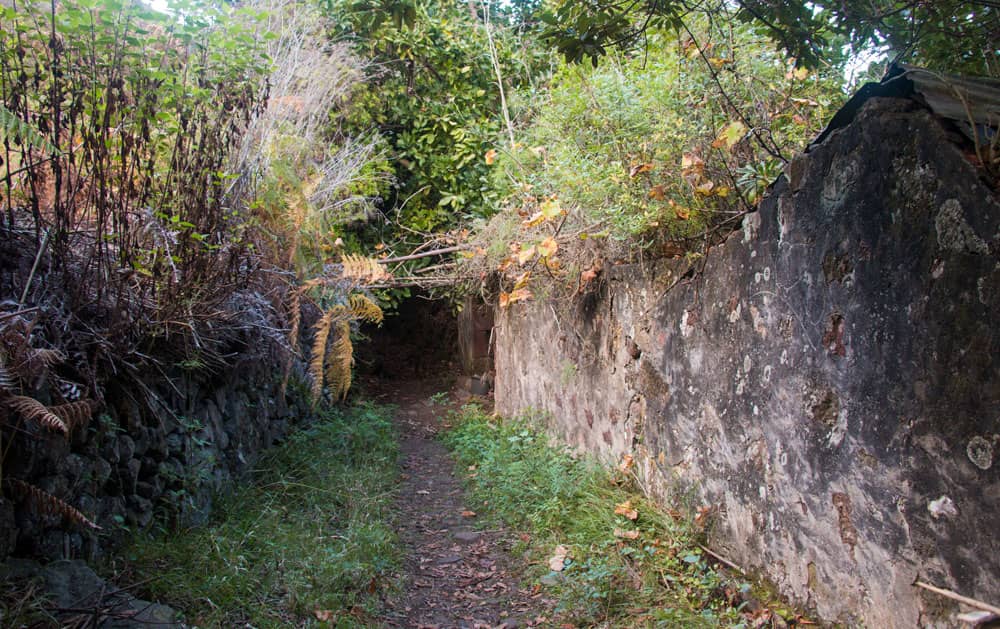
x=32 y=409
x=362 y=307
x=319 y=353
x=47 y=504
x=362 y=269
x=75 y=415
x=340 y=363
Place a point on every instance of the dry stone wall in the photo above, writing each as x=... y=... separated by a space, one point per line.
x=827 y=379
x=167 y=458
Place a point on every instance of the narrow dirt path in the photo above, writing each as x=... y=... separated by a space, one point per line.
x=455 y=575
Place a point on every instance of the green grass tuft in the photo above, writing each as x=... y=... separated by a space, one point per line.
x=659 y=579
x=310 y=536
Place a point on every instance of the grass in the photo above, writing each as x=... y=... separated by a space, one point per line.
x=619 y=572
x=308 y=543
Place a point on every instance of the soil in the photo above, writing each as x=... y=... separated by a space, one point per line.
x=456 y=574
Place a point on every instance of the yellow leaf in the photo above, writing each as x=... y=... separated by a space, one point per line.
x=626 y=510
x=705 y=188
x=551 y=208
x=525 y=255
x=801 y=73
x=730 y=135
x=548 y=247
x=522 y=281
x=722 y=191
x=491 y=156
x=682 y=213
x=717 y=62
x=536 y=219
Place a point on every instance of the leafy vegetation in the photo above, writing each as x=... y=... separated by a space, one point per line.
x=951 y=35
x=612 y=557
x=436 y=100
x=307 y=543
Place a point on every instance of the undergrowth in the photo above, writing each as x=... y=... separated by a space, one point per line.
x=307 y=543
x=649 y=571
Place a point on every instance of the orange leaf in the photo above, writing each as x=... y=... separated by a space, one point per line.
x=491 y=156
x=468 y=514
x=519 y=295
x=536 y=219
x=657 y=192
x=548 y=247
x=626 y=510
x=627 y=463
x=504 y=299
x=638 y=169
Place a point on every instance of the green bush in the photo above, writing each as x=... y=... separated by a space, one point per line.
x=677 y=138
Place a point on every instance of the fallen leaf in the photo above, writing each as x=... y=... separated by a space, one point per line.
x=525 y=255
x=657 y=192
x=468 y=514
x=324 y=615
x=491 y=156
x=705 y=188
x=626 y=510
x=630 y=534
x=638 y=169
x=558 y=560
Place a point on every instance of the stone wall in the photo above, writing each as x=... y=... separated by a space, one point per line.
x=160 y=450
x=828 y=378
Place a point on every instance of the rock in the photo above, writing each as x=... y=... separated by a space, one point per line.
x=73 y=585
x=126 y=448
x=8 y=527
x=468 y=537
x=101 y=472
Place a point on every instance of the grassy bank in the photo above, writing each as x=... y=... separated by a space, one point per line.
x=308 y=542
x=626 y=563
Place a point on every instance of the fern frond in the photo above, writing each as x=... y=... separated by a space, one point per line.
x=38 y=361
x=341 y=361
x=33 y=410
x=21 y=132
x=47 y=504
x=75 y=415
x=363 y=307
x=322 y=333
x=365 y=270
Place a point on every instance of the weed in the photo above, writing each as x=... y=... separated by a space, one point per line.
x=309 y=538
x=642 y=572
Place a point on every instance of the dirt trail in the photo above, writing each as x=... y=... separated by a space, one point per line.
x=455 y=575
